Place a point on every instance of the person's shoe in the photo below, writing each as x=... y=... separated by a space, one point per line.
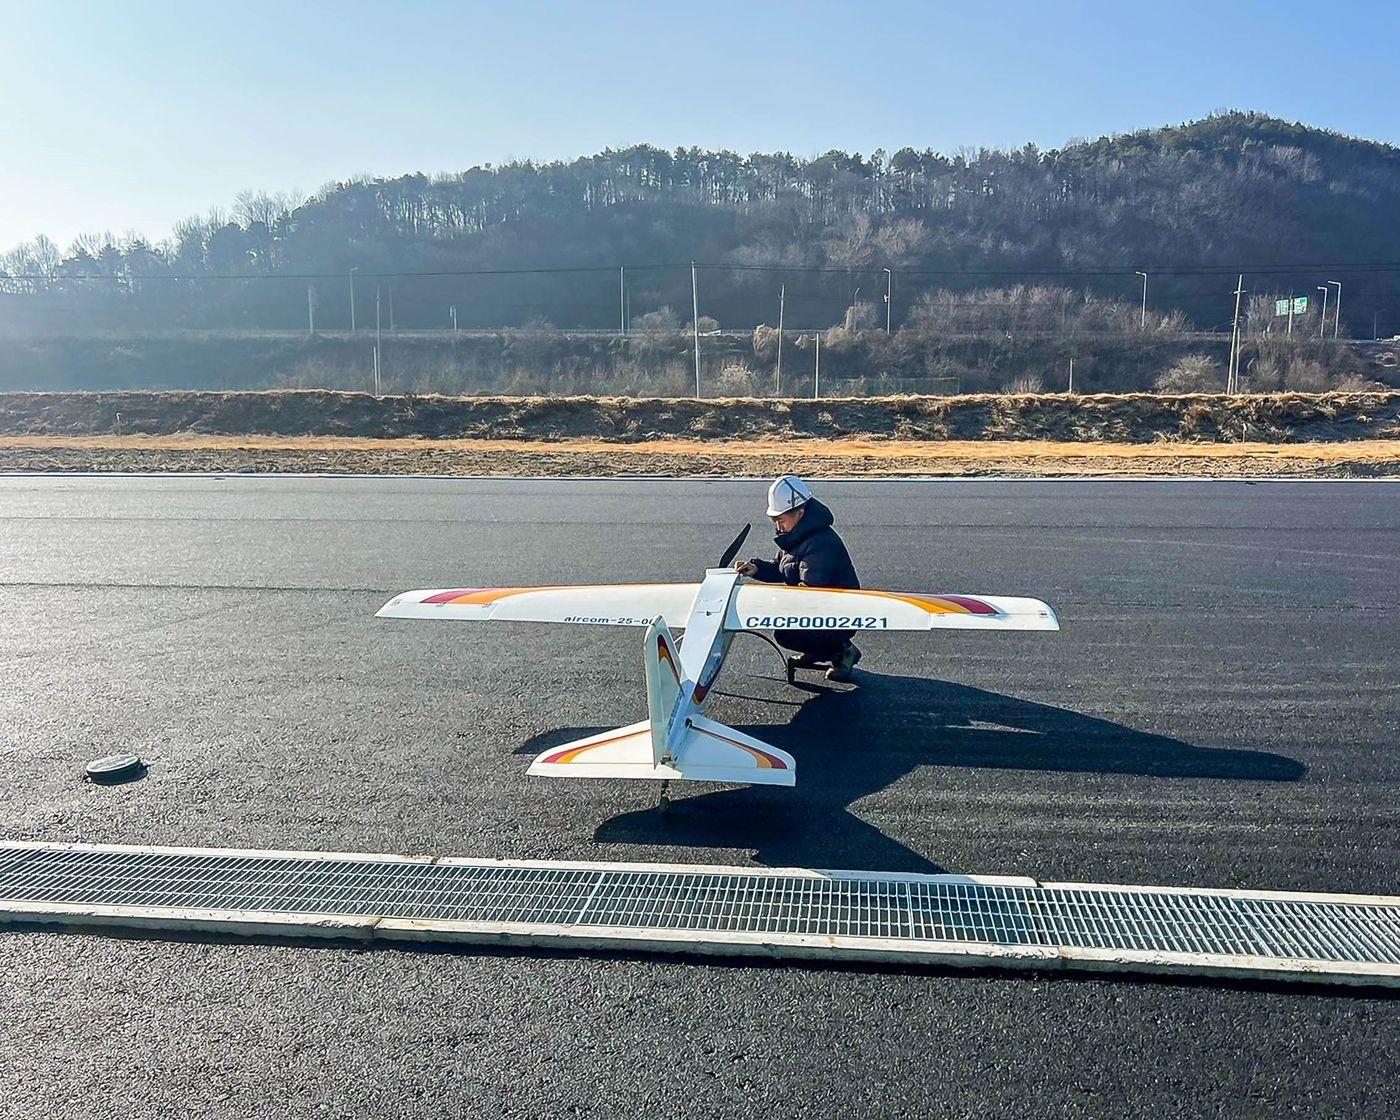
x=804 y=661
x=841 y=668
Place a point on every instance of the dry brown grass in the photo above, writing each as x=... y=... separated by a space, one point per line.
x=479 y=457
x=1370 y=450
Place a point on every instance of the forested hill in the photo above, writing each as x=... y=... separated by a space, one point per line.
x=1236 y=190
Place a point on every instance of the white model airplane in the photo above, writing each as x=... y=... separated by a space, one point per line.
x=675 y=741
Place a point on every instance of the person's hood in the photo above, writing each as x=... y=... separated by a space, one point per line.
x=815 y=518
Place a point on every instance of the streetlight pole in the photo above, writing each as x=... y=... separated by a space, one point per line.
x=695 y=323
x=352 y=298
x=622 y=300
x=1143 y=325
x=1322 y=325
x=782 y=300
x=817 y=370
x=378 y=340
x=1337 y=314
x=889 y=296
x=310 y=309
x=1232 y=378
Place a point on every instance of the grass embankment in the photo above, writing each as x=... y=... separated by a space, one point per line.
x=1322 y=435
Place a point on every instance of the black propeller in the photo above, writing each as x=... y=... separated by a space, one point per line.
x=733 y=550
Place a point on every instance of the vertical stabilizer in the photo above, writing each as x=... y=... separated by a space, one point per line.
x=663 y=670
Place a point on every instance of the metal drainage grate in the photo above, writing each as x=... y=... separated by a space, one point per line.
x=936 y=918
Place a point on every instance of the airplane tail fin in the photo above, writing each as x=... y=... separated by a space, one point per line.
x=670 y=744
x=708 y=751
x=663 y=673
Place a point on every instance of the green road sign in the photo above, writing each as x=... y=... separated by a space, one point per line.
x=1300 y=305
x=1280 y=307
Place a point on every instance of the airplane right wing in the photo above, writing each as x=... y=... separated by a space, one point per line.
x=776 y=606
x=611 y=604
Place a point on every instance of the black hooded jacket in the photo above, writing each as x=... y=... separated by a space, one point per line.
x=812 y=554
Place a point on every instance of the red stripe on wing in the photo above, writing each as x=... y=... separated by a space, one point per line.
x=448 y=596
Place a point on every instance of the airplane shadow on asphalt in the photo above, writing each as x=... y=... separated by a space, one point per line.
x=851 y=743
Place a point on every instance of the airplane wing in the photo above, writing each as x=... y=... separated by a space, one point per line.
x=625 y=604
x=776 y=606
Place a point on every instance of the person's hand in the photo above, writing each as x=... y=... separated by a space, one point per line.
x=746 y=568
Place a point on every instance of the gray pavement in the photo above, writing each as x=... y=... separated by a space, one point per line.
x=1219 y=710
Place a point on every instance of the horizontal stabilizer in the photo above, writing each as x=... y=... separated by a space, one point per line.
x=623 y=752
x=714 y=752
x=776 y=606
x=608 y=604
x=707 y=752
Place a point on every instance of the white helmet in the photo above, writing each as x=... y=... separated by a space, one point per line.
x=787 y=493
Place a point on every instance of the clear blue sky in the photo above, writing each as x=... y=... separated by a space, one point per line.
x=130 y=115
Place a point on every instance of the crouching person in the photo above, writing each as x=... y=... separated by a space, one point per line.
x=810 y=554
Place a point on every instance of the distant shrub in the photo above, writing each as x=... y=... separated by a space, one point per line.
x=1194 y=373
x=662 y=319
x=737 y=380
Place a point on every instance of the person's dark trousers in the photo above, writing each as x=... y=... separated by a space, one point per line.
x=819 y=645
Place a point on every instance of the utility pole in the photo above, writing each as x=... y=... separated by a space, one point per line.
x=453 y=312
x=1375 y=326
x=889 y=296
x=778 y=380
x=817 y=371
x=310 y=309
x=1143 y=325
x=378 y=341
x=622 y=300
x=1322 y=324
x=352 y=299
x=695 y=323
x=1337 y=315
x=1232 y=377
x=1071 y=375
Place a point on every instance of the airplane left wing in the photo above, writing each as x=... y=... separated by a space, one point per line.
x=776 y=606
x=624 y=604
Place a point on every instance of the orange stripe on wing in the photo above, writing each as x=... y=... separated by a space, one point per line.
x=934 y=604
x=481 y=596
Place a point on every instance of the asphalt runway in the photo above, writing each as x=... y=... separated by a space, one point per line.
x=1219 y=710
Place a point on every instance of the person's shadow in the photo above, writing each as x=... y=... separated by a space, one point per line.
x=851 y=743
